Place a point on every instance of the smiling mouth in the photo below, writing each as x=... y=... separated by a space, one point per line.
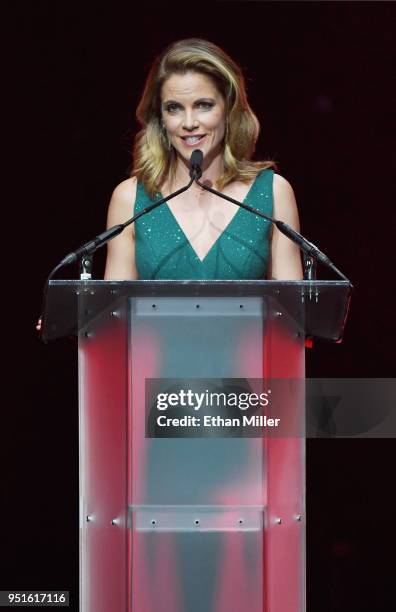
x=192 y=140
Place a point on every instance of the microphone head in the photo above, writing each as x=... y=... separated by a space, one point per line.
x=196 y=158
x=196 y=161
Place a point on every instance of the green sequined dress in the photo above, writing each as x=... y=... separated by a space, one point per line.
x=163 y=251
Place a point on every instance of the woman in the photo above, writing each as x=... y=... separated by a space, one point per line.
x=195 y=98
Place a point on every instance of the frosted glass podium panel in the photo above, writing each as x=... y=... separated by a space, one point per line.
x=199 y=503
x=189 y=339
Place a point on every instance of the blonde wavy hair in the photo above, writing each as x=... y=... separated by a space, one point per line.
x=153 y=162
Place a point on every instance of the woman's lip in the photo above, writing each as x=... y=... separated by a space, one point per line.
x=192 y=144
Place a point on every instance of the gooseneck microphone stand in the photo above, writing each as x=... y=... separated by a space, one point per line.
x=85 y=252
x=309 y=249
x=90 y=247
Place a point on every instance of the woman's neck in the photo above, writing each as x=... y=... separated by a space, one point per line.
x=211 y=171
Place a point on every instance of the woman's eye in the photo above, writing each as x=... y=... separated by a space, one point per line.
x=205 y=105
x=172 y=108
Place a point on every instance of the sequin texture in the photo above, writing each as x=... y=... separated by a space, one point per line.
x=241 y=251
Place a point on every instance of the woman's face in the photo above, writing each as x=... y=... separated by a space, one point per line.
x=193 y=113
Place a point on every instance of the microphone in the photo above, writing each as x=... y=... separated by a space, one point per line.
x=90 y=247
x=307 y=247
x=196 y=161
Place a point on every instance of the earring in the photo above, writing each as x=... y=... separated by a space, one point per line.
x=226 y=131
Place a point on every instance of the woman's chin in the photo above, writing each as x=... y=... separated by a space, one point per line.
x=208 y=155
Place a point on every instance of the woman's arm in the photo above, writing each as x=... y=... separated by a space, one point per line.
x=120 y=262
x=285 y=258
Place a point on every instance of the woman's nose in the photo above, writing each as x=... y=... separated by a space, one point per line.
x=190 y=122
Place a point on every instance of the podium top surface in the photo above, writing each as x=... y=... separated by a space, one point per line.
x=324 y=304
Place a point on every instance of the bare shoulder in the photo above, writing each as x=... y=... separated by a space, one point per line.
x=125 y=192
x=285 y=260
x=285 y=206
x=126 y=188
x=122 y=201
x=120 y=263
x=282 y=187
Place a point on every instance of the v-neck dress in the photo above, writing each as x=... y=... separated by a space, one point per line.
x=163 y=251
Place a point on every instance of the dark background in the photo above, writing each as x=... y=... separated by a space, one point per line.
x=319 y=78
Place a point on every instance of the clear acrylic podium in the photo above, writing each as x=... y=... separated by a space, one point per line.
x=190 y=524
